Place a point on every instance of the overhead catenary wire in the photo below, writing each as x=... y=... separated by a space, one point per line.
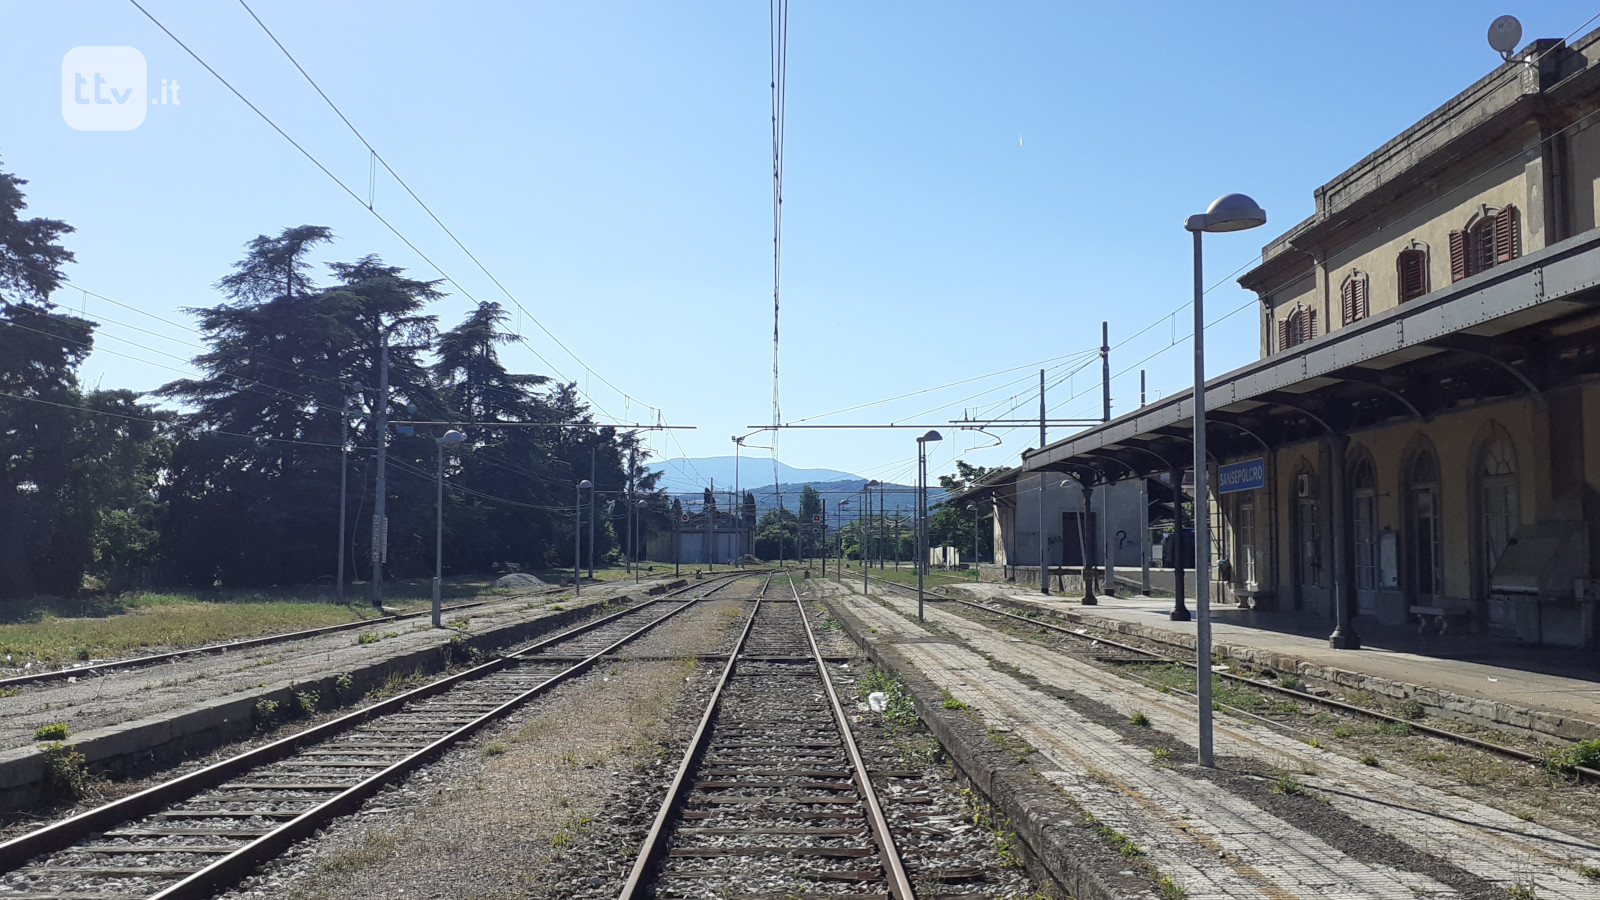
x=354 y=196
x=378 y=158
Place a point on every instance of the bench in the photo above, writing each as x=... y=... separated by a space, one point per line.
x=1443 y=614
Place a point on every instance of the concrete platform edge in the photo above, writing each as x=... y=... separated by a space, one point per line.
x=1052 y=828
x=1538 y=723
x=140 y=746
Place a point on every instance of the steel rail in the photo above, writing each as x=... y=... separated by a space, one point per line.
x=655 y=842
x=899 y=883
x=240 y=644
x=63 y=834
x=1583 y=773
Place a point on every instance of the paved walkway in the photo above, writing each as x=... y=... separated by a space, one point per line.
x=1209 y=840
x=1393 y=662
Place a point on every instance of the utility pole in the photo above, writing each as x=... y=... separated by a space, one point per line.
x=592 y=450
x=1144 y=516
x=1109 y=588
x=380 y=515
x=631 y=562
x=344 y=468
x=824 y=542
x=1044 y=538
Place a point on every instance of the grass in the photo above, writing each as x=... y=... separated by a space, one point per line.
x=905 y=575
x=52 y=632
x=1287 y=785
x=55 y=732
x=950 y=701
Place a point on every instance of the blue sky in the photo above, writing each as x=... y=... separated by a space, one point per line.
x=968 y=187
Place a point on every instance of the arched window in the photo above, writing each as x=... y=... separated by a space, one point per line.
x=1364 y=530
x=1424 y=557
x=1353 y=297
x=1297 y=327
x=1494 y=237
x=1411 y=269
x=1497 y=499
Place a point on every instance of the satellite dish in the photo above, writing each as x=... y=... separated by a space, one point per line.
x=1505 y=33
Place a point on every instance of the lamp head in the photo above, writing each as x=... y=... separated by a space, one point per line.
x=1230 y=212
x=972 y=507
x=452 y=437
x=874 y=483
x=930 y=436
x=586 y=485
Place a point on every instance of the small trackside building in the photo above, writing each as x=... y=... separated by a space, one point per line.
x=1419 y=441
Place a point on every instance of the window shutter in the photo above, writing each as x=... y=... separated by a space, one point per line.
x=1347 y=300
x=1283 y=334
x=1412 y=271
x=1507 y=235
x=1458 y=256
x=1358 y=292
x=1308 y=325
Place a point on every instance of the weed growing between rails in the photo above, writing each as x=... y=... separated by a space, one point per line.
x=898 y=710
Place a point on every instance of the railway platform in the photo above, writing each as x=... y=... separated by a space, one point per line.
x=1543 y=691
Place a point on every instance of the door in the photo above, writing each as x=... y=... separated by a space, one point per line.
x=1364 y=531
x=1424 y=577
x=1074 y=537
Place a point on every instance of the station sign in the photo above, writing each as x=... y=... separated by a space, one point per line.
x=1249 y=475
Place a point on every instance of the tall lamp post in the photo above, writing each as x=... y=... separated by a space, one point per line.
x=449 y=437
x=1230 y=212
x=976 y=518
x=866 y=509
x=638 y=526
x=922 y=510
x=838 y=536
x=577 y=529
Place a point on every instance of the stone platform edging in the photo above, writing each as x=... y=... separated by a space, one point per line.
x=1447 y=704
x=1055 y=833
x=142 y=745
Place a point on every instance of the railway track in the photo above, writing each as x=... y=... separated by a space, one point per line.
x=135 y=662
x=1118 y=653
x=773 y=797
x=197 y=833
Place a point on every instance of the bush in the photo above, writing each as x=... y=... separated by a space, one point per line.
x=1411 y=709
x=54 y=732
x=1585 y=754
x=65 y=770
x=265 y=713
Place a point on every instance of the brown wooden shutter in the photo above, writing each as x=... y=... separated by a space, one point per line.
x=1283 y=333
x=1458 y=256
x=1347 y=301
x=1412 y=271
x=1507 y=235
x=1358 y=291
x=1308 y=325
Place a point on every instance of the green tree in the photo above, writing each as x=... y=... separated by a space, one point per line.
x=776 y=535
x=810 y=503
x=71 y=458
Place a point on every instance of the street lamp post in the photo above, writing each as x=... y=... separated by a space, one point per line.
x=450 y=437
x=1231 y=212
x=838 y=536
x=922 y=510
x=638 y=526
x=976 y=518
x=866 y=509
x=577 y=529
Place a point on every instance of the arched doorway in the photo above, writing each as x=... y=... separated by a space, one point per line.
x=1498 y=519
x=1424 y=556
x=1364 y=532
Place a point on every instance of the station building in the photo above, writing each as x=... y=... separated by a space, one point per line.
x=1419 y=441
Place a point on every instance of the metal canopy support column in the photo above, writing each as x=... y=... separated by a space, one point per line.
x=1084 y=543
x=1144 y=535
x=1180 y=613
x=1344 y=633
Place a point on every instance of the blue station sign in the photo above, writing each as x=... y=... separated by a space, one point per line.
x=1250 y=475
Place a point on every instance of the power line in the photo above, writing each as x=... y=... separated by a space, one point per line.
x=349 y=191
x=427 y=209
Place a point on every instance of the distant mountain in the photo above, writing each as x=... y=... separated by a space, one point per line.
x=684 y=475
